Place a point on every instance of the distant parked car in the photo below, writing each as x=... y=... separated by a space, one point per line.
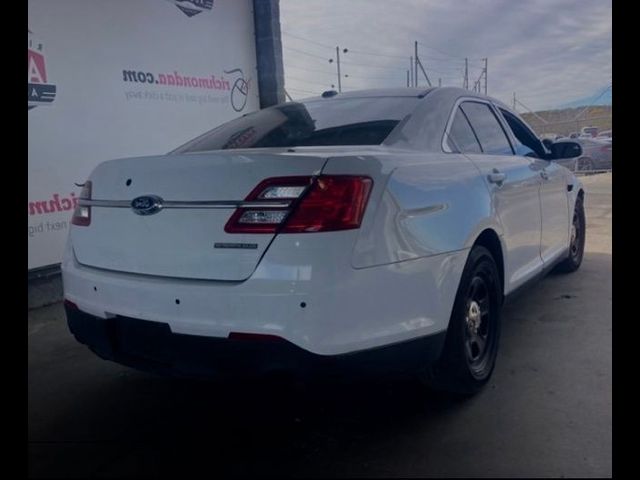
x=596 y=155
x=552 y=136
x=574 y=135
x=606 y=134
x=589 y=132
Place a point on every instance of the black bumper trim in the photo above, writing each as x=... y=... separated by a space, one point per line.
x=152 y=347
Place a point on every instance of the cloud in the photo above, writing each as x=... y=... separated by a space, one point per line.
x=549 y=52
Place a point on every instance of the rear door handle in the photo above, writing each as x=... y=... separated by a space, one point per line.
x=496 y=177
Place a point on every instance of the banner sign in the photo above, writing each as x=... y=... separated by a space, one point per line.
x=113 y=79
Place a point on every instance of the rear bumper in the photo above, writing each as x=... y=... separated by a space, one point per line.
x=153 y=347
x=322 y=306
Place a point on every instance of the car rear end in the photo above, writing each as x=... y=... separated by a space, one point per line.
x=233 y=259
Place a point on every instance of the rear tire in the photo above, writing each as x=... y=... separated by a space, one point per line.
x=471 y=344
x=576 y=245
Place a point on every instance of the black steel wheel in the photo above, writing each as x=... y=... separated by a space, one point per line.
x=577 y=241
x=469 y=354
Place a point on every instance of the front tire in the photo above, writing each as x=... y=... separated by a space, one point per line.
x=576 y=245
x=471 y=345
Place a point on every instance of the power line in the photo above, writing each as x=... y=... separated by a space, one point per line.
x=442 y=52
x=301 y=90
x=370 y=66
x=308 y=81
x=347 y=63
x=359 y=52
x=305 y=53
x=311 y=70
x=308 y=40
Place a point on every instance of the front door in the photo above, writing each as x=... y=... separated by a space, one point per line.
x=554 y=205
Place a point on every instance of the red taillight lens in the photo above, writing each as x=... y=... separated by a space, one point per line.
x=82 y=213
x=69 y=304
x=333 y=203
x=325 y=203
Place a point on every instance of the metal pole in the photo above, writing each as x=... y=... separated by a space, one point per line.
x=415 y=52
x=486 y=68
x=411 y=69
x=514 y=101
x=439 y=82
x=419 y=64
x=338 y=62
x=466 y=74
x=408 y=79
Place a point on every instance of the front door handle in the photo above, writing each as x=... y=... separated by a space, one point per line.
x=496 y=176
x=544 y=175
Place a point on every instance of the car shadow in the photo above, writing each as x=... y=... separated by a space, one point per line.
x=99 y=418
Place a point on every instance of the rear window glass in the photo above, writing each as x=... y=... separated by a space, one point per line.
x=349 y=121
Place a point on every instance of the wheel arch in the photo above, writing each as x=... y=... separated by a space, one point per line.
x=490 y=240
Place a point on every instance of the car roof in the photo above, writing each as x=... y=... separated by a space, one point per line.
x=452 y=92
x=425 y=126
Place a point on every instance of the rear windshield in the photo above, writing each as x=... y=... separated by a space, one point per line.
x=348 y=121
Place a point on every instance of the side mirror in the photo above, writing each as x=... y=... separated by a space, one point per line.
x=562 y=150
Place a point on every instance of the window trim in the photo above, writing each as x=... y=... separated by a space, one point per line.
x=458 y=102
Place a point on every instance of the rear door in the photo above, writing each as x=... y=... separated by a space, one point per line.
x=513 y=182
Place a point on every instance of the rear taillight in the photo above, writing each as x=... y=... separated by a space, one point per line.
x=82 y=213
x=315 y=204
x=70 y=305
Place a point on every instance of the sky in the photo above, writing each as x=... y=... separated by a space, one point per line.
x=550 y=52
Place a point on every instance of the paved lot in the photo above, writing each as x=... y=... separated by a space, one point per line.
x=546 y=412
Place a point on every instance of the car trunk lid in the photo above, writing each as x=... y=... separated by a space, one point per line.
x=186 y=242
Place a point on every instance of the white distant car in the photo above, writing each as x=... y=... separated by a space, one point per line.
x=371 y=231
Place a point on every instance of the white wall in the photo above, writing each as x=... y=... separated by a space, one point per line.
x=96 y=115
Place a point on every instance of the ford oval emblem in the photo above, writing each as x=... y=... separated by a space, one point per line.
x=146 y=204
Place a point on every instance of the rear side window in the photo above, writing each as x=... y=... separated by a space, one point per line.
x=461 y=137
x=491 y=136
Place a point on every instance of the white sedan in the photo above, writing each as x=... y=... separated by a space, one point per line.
x=372 y=231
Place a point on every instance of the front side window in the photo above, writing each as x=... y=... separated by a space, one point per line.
x=527 y=143
x=346 y=121
x=491 y=136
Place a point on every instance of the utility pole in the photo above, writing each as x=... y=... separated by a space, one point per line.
x=418 y=63
x=415 y=53
x=514 y=101
x=408 y=79
x=466 y=74
x=486 y=65
x=439 y=82
x=338 y=62
x=411 y=69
